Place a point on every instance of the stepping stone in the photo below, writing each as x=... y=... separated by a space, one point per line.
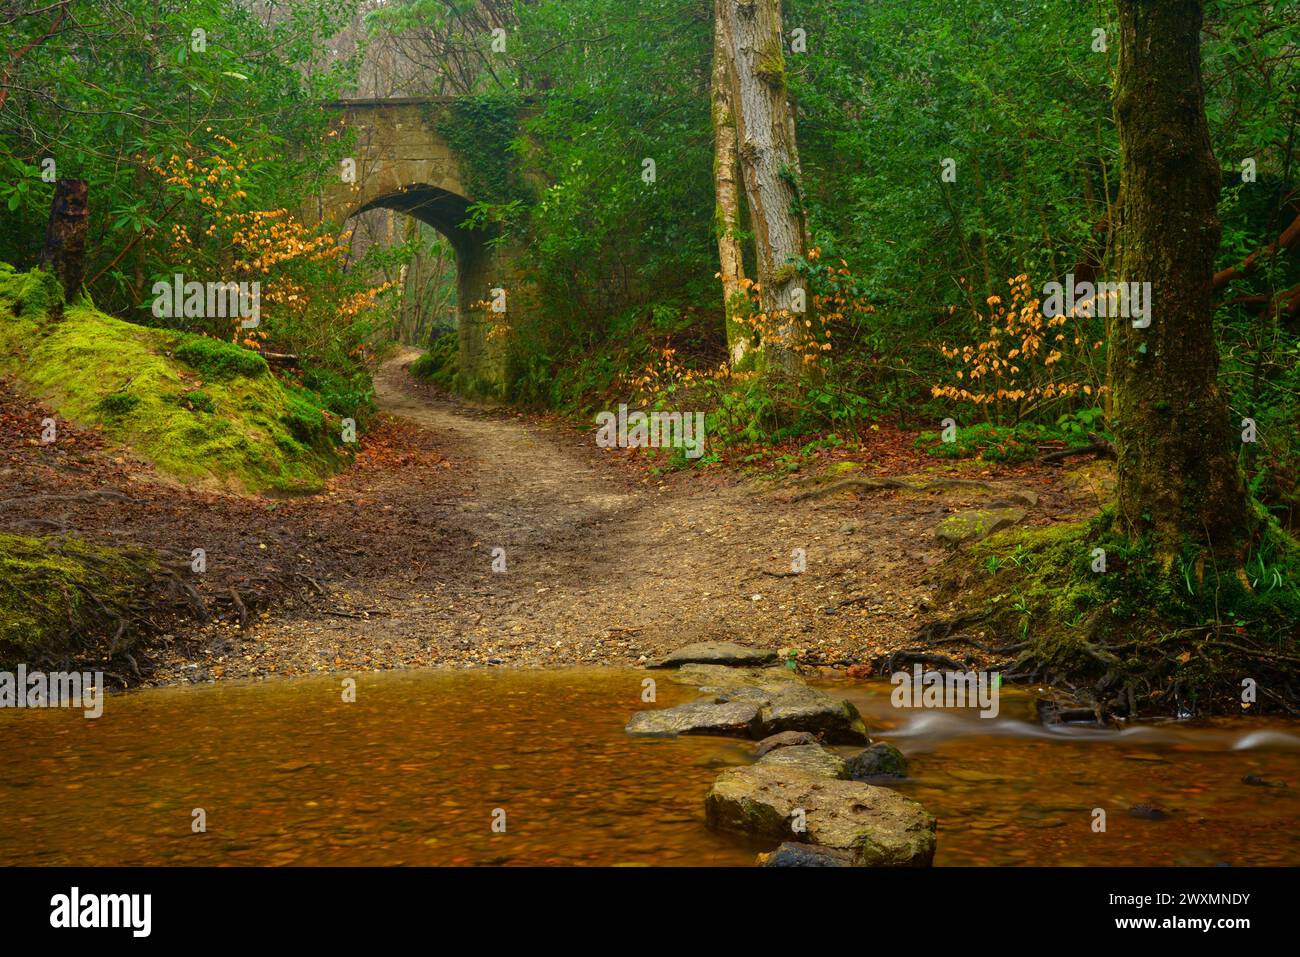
x=1254 y=780
x=790 y=854
x=834 y=720
x=878 y=761
x=715 y=653
x=735 y=719
x=809 y=759
x=785 y=702
x=714 y=678
x=786 y=739
x=877 y=826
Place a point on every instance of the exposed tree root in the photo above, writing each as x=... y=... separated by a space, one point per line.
x=877 y=483
x=1100 y=447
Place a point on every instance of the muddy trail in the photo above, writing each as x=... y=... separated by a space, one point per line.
x=470 y=537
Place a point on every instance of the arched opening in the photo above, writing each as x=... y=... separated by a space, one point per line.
x=446 y=212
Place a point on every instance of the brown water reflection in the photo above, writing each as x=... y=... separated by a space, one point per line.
x=1007 y=791
x=411 y=773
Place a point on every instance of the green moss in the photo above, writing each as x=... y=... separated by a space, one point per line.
x=218 y=359
x=770 y=68
x=1140 y=634
x=31 y=297
x=304 y=419
x=59 y=595
x=976 y=524
x=198 y=401
x=441 y=364
x=117 y=404
x=347 y=397
x=136 y=383
x=476 y=387
x=783 y=274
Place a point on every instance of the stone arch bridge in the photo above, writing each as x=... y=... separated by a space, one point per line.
x=403 y=163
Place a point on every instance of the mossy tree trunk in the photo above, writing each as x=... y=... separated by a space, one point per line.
x=769 y=161
x=1178 y=475
x=726 y=166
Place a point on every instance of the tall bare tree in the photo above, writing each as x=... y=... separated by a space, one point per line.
x=726 y=170
x=769 y=161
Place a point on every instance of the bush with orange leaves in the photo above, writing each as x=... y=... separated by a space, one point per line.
x=839 y=301
x=309 y=304
x=745 y=404
x=804 y=334
x=494 y=315
x=665 y=375
x=1028 y=361
x=836 y=309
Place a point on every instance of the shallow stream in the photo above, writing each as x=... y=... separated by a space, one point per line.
x=421 y=765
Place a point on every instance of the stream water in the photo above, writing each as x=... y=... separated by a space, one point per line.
x=421 y=765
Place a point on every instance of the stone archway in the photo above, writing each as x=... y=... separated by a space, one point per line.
x=404 y=164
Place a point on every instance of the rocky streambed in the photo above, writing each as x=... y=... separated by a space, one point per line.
x=824 y=807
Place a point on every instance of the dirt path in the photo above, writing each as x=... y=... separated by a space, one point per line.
x=526 y=493
x=599 y=566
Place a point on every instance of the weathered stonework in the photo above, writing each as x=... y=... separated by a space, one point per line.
x=403 y=163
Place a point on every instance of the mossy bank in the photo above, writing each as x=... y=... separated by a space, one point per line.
x=62 y=598
x=1076 y=606
x=200 y=410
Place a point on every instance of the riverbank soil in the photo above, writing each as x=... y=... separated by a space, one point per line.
x=469 y=537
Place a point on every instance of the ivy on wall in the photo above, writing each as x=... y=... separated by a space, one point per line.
x=482 y=130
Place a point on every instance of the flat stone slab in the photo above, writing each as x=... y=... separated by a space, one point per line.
x=801 y=708
x=715 y=653
x=879 y=827
x=714 y=678
x=976 y=524
x=785 y=739
x=790 y=854
x=736 y=719
x=785 y=703
x=809 y=759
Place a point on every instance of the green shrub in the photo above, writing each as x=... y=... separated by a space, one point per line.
x=219 y=359
x=347 y=396
x=441 y=363
x=117 y=404
x=991 y=443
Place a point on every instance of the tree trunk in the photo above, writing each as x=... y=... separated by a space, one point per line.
x=770 y=163
x=731 y=261
x=64 y=253
x=1178 y=475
